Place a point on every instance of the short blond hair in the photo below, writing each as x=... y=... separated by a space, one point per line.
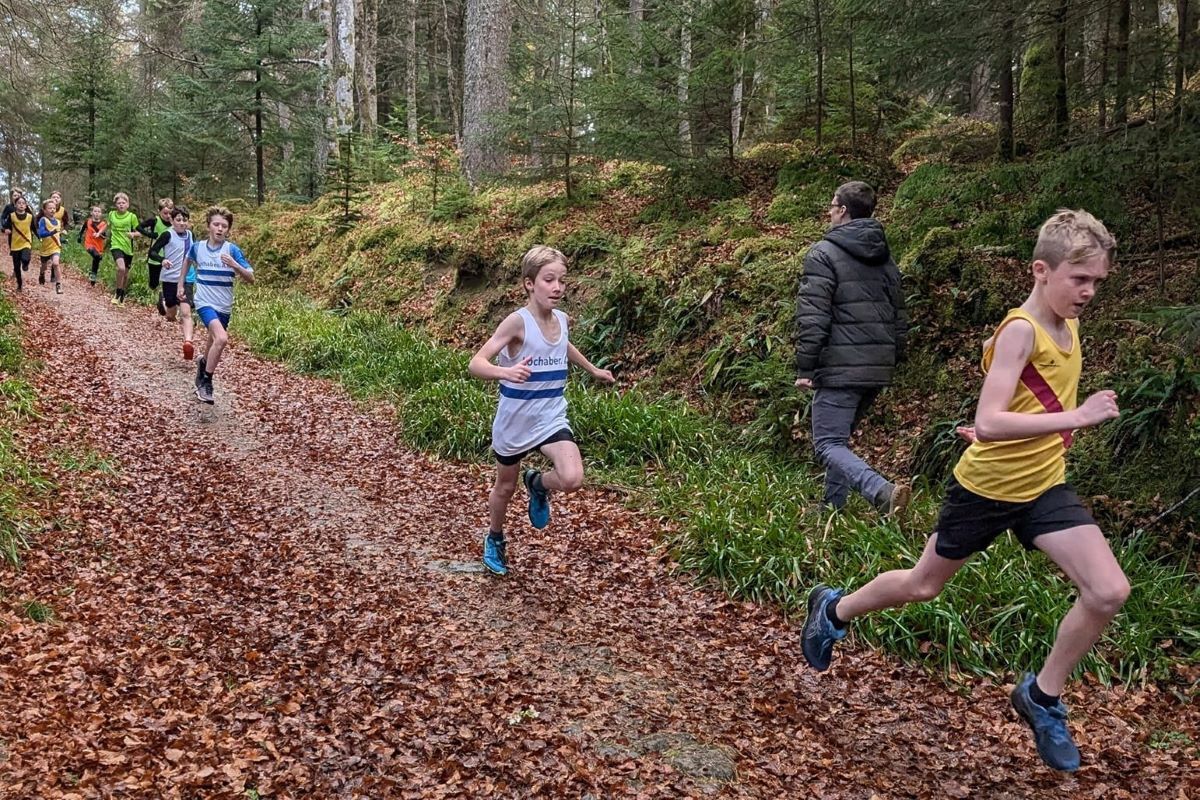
x=218 y=211
x=165 y=202
x=1072 y=237
x=537 y=257
x=119 y=195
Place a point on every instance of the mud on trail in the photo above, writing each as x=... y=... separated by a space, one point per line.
x=275 y=594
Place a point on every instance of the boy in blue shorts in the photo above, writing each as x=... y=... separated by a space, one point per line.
x=533 y=351
x=217 y=262
x=1013 y=477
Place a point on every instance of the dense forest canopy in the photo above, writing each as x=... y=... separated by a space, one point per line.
x=209 y=98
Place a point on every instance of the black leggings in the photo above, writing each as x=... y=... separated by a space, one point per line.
x=96 y=259
x=20 y=264
x=155 y=270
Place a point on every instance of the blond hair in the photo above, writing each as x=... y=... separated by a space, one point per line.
x=165 y=202
x=218 y=211
x=119 y=195
x=1072 y=237
x=537 y=257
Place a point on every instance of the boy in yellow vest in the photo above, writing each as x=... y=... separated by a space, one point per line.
x=1012 y=477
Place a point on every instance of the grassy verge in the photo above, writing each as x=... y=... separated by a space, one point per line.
x=744 y=516
x=18 y=477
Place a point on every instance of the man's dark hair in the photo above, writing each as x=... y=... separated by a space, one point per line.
x=857 y=197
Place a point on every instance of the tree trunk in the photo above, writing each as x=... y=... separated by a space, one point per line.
x=1102 y=90
x=452 y=88
x=485 y=87
x=1181 y=10
x=636 y=17
x=1061 y=112
x=739 y=80
x=91 y=107
x=820 y=42
x=569 y=150
x=410 y=74
x=853 y=114
x=1004 y=72
x=342 y=44
x=760 y=92
x=259 y=165
x=366 y=58
x=1121 y=104
x=685 y=73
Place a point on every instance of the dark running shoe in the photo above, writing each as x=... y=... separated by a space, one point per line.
x=819 y=633
x=162 y=307
x=204 y=390
x=1050 y=732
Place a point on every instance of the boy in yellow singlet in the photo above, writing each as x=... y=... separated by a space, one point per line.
x=1013 y=477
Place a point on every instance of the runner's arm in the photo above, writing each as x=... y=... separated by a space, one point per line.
x=156 y=249
x=579 y=359
x=995 y=423
x=510 y=333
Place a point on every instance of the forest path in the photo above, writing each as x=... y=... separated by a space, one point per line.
x=276 y=594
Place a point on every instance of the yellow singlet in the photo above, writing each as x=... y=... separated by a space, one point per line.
x=1021 y=470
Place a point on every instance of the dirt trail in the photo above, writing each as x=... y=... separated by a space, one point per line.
x=276 y=594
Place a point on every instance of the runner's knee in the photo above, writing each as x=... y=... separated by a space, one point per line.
x=921 y=590
x=1107 y=597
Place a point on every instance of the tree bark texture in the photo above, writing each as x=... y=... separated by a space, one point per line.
x=342 y=44
x=366 y=58
x=684 y=84
x=485 y=87
x=1121 y=103
x=410 y=74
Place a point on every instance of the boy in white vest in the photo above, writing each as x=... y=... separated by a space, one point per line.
x=218 y=261
x=532 y=352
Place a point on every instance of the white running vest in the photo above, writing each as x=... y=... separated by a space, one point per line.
x=529 y=412
x=176 y=251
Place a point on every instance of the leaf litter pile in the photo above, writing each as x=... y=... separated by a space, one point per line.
x=276 y=598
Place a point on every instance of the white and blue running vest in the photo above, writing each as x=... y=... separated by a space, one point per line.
x=529 y=412
x=177 y=250
x=214 y=280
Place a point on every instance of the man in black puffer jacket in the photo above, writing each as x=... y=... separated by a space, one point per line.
x=850 y=334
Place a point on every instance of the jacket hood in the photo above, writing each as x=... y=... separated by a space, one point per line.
x=863 y=239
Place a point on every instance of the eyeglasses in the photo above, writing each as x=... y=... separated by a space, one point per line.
x=837 y=205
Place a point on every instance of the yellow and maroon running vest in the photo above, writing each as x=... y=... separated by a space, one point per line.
x=1021 y=470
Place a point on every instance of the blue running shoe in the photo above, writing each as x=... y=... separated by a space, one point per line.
x=1054 y=743
x=819 y=633
x=539 y=502
x=494 y=556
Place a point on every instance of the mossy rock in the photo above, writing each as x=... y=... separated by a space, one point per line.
x=773 y=154
x=957 y=140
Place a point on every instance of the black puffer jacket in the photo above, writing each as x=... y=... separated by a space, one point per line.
x=850 y=321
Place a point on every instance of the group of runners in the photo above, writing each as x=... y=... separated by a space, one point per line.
x=189 y=273
x=851 y=332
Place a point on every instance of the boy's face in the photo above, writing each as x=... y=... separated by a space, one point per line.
x=21 y=204
x=122 y=204
x=180 y=224
x=165 y=212
x=218 y=226
x=96 y=214
x=50 y=207
x=1069 y=288
x=548 y=288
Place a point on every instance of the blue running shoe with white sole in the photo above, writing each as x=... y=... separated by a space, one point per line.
x=819 y=633
x=539 y=502
x=1050 y=732
x=495 y=559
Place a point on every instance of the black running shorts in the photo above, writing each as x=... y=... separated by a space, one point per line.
x=560 y=435
x=968 y=523
x=170 y=294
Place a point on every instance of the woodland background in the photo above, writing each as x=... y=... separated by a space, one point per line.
x=390 y=161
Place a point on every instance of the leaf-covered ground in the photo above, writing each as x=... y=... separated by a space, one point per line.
x=275 y=598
